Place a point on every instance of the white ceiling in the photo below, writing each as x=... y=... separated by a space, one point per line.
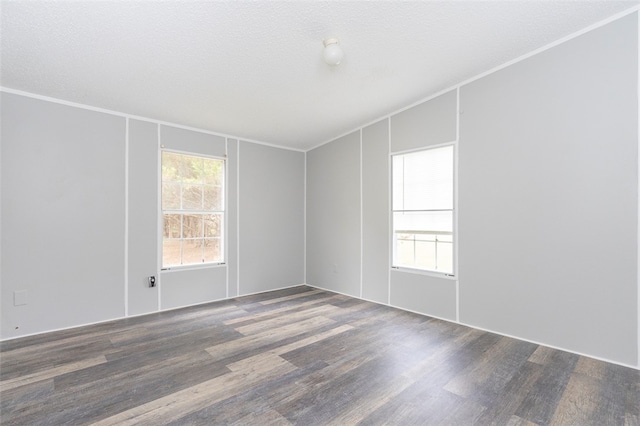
x=255 y=69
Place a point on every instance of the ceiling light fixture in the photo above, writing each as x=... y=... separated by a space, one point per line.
x=333 y=53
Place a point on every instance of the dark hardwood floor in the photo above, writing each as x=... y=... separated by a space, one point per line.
x=306 y=357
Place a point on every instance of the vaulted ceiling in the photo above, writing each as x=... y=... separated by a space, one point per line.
x=254 y=69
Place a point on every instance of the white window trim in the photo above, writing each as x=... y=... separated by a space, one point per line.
x=453 y=276
x=223 y=212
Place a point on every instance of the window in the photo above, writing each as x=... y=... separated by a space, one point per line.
x=423 y=210
x=192 y=209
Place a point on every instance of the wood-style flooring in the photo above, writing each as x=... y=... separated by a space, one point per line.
x=305 y=357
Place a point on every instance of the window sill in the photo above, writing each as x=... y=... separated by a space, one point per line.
x=191 y=267
x=434 y=274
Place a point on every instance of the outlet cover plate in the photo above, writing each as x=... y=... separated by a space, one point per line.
x=19 y=297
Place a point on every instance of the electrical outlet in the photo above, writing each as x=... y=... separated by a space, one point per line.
x=19 y=297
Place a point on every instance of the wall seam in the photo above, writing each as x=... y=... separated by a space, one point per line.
x=456 y=200
x=304 y=222
x=126 y=217
x=390 y=212
x=159 y=218
x=361 y=219
x=238 y=217
x=226 y=215
x=638 y=183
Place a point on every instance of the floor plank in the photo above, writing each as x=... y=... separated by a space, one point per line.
x=27 y=379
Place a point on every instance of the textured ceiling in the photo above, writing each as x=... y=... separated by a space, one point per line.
x=255 y=69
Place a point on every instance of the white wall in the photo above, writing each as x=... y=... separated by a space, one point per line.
x=375 y=212
x=333 y=215
x=549 y=196
x=548 y=199
x=80 y=216
x=271 y=218
x=142 y=223
x=63 y=217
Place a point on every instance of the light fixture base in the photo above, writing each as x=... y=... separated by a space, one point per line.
x=333 y=53
x=329 y=41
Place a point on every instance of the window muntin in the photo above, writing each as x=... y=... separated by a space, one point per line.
x=423 y=206
x=192 y=209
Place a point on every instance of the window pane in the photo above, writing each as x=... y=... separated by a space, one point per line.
x=192 y=226
x=195 y=186
x=213 y=171
x=424 y=240
x=423 y=180
x=170 y=166
x=171 y=226
x=423 y=221
x=171 y=195
x=424 y=251
x=171 y=252
x=445 y=256
x=192 y=169
x=405 y=250
x=212 y=225
x=191 y=197
x=425 y=245
x=212 y=251
x=212 y=197
x=191 y=251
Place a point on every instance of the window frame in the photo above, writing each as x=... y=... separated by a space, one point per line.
x=454 y=214
x=222 y=213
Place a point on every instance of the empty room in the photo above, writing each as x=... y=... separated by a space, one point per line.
x=319 y=212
